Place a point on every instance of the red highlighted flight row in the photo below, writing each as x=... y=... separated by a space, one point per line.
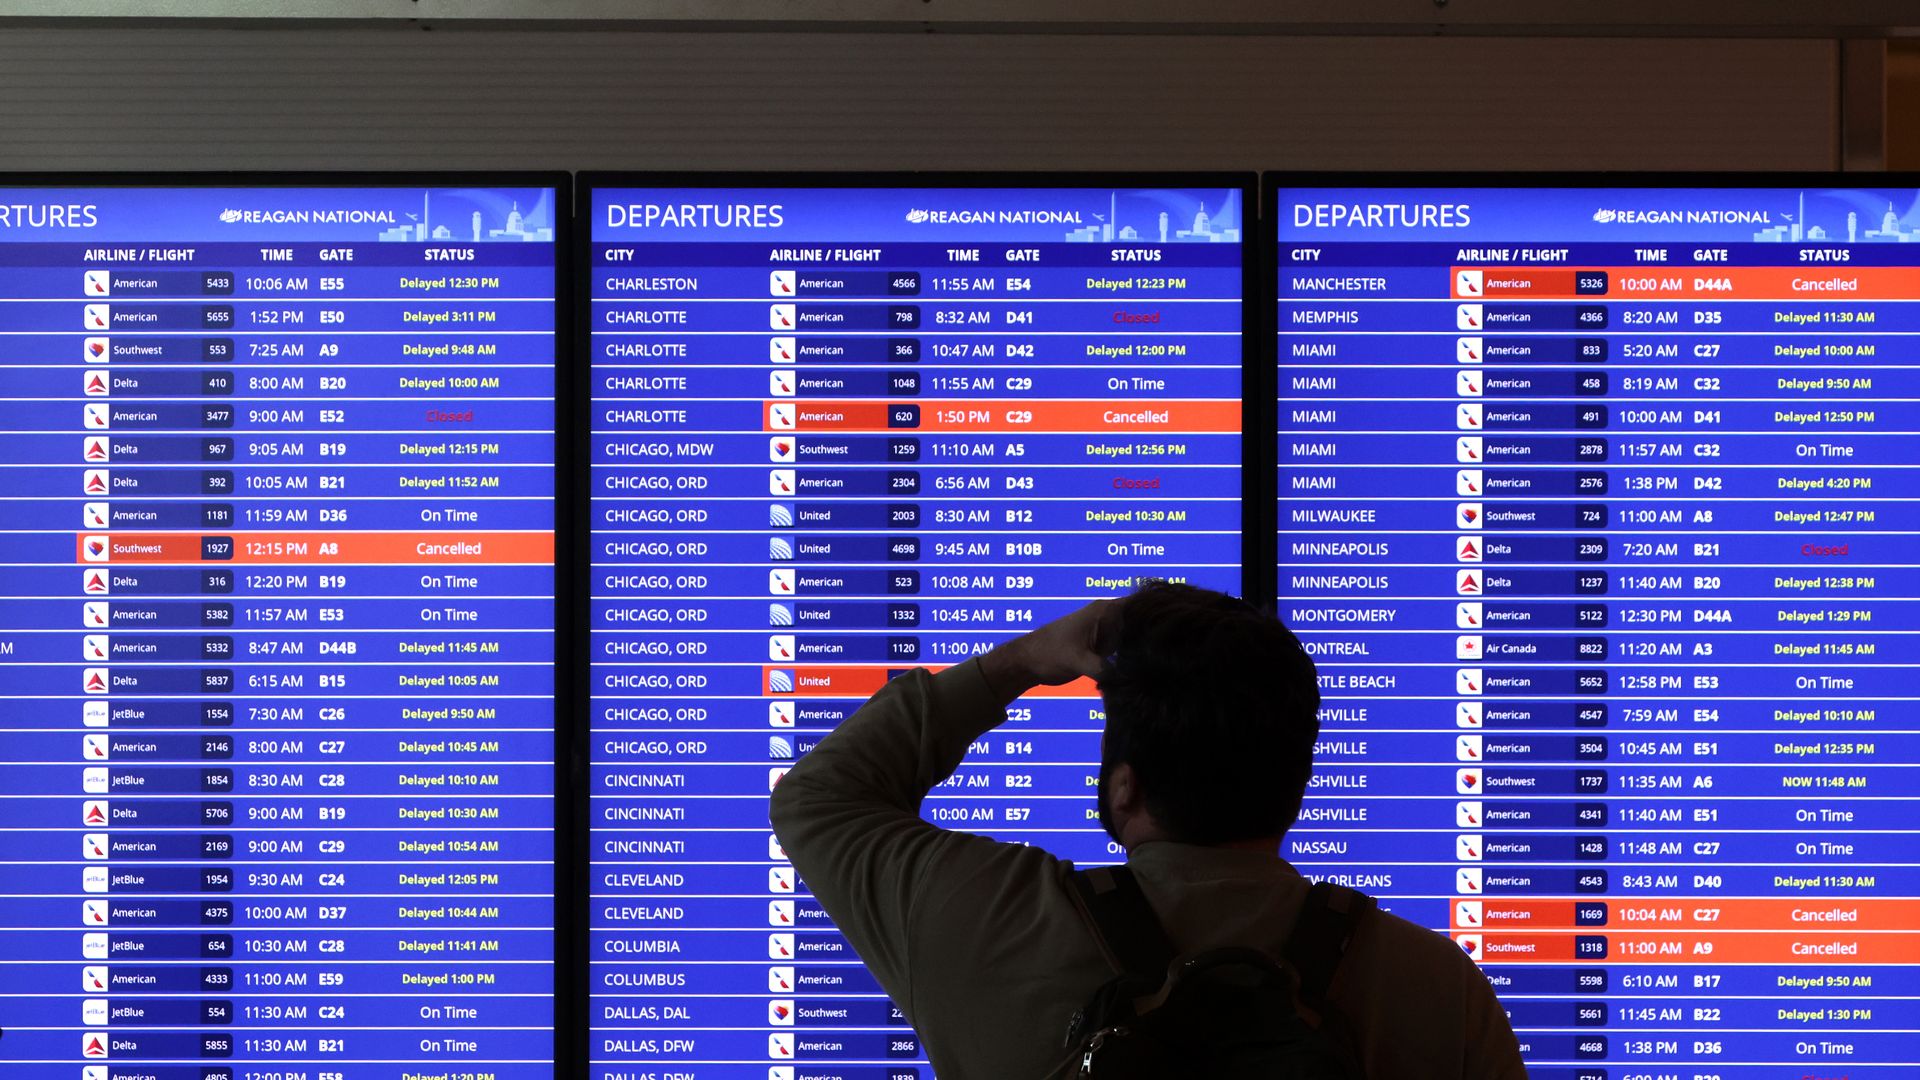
x=1670 y=947
x=421 y=548
x=1686 y=283
x=860 y=682
x=977 y=417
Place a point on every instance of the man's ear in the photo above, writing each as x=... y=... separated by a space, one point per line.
x=1123 y=792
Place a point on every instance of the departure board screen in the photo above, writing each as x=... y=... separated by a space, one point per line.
x=838 y=433
x=277 y=757
x=1595 y=513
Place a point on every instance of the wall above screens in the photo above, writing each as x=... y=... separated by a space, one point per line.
x=842 y=427
x=492 y=97
x=1864 y=18
x=1593 y=506
x=280 y=629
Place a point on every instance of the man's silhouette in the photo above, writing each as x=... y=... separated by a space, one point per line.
x=1211 y=716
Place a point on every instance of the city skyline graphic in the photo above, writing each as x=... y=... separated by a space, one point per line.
x=471 y=224
x=1168 y=227
x=1892 y=225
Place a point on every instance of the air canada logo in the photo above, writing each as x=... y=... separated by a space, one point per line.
x=918 y=216
x=229 y=215
x=1605 y=216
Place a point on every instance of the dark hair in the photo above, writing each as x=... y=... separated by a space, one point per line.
x=1215 y=706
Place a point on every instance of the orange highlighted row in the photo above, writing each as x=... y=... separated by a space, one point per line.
x=1131 y=417
x=1629 y=947
x=1682 y=913
x=425 y=548
x=859 y=682
x=1688 y=283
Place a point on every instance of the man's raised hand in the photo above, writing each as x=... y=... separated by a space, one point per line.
x=1063 y=650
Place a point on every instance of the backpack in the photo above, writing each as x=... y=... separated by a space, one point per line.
x=1224 y=1013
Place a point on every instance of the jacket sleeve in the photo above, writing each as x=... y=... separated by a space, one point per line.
x=848 y=814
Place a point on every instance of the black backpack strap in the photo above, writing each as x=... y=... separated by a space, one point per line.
x=1110 y=899
x=1321 y=935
